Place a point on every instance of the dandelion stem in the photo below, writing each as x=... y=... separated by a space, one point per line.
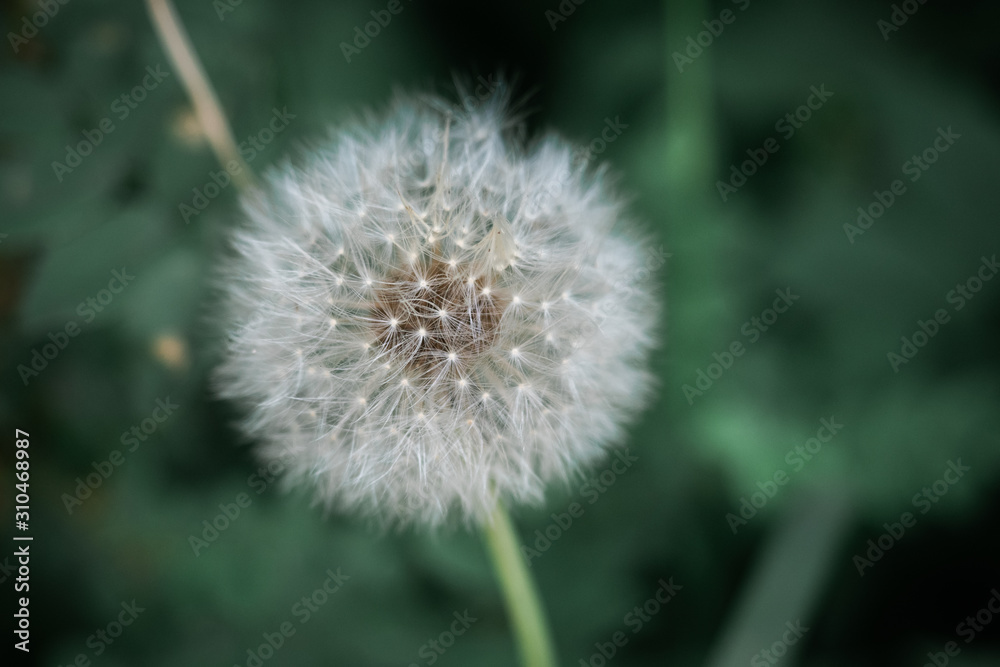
x=523 y=605
x=206 y=104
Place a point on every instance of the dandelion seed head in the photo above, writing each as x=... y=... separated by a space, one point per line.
x=437 y=316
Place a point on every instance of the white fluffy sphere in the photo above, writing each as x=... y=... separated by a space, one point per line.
x=432 y=318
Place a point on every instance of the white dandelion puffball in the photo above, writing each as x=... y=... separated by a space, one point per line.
x=430 y=318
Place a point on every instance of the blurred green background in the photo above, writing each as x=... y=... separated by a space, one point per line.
x=756 y=532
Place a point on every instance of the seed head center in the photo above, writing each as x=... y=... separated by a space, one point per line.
x=434 y=317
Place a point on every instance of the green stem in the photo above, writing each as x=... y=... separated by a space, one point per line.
x=788 y=580
x=523 y=604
